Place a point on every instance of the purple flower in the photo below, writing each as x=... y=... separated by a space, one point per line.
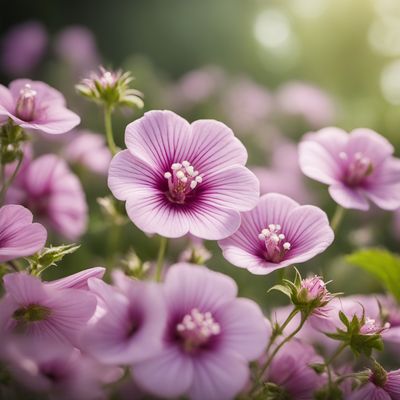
x=277 y=233
x=290 y=370
x=88 y=149
x=130 y=324
x=23 y=47
x=301 y=99
x=53 y=193
x=356 y=166
x=19 y=237
x=39 y=310
x=56 y=369
x=78 y=280
x=209 y=338
x=178 y=178
x=36 y=106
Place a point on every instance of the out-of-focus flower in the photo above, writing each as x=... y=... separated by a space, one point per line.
x=291 y=372
x=277 y=233
x=78 y=280
x=356 y=166
x=76 y=45
x=56 y=370
x=19 y=237
x=284 y=177
x=34 y=105
x=38 y=310
x=178 y=178
x=88 y=149
x=195 y=253
x=306 y=101
x=22 y=48
x=131 y=324
x=111 y=88
x=247 y=105
x=209 y=339
x=53 y=193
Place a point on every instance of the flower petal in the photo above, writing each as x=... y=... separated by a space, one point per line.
x=348 y=197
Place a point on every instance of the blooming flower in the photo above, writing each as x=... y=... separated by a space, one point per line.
x=178 y=178
x=53 y=193
x=19 y=237
x=23 y=47
x=356 y=166
x=277 y=233
x=131 y=321
x=209 y=338
x=36 y=106
x=88 y=149
x=290 y=370
x=39 y=310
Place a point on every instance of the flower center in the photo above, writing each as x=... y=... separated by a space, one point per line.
x=25 y=108
x=31 y=313
x=196 y=329
x=275 y=244
x=182 y=180
x=358 y=168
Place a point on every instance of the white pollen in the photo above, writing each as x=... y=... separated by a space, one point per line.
x=176 y=166
x=261 y=236
x=186 y=163
x=281 y=236
x=275 y=238
x=286 y=245
x=180 y=174
x=271 y=227
x=193 y=184
x=266 y=232
x=168 y=175
x=190 y=170
x=199 y=179
x=184 y=179
x=277 y=227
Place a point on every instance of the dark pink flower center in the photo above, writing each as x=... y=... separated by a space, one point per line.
x=196 y=329
x=275 y=244
x=25 y=108
x=182 y=180
x=358 y=168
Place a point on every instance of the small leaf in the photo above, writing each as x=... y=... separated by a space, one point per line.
x=281 y=288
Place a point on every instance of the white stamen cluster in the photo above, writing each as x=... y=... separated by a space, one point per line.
x=275 y=243
x=197 y=327
x=26 y=102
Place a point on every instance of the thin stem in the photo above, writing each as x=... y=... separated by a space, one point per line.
x=109 y=130
x=330 y=361
x=160 y=258
x=7 y=184
x=337 y=218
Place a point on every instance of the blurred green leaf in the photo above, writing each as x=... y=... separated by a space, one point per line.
x=381 y=263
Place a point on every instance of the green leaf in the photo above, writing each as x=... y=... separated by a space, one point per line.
x=382 y=264
x=281 y=288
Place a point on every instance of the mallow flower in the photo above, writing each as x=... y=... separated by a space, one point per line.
x=30 y=306
x=35 y=106
x=278 y=232
x=209 y=338
x=53 y=193
x=179 y=178
x=78 y=280
x=357 y=167
x=19 y=237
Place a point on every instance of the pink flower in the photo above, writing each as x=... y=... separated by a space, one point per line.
x=130 y=321
x=39 y=310
x=356 y=166
x=277 y=233
x=19 y=237
x=56 y=370
x=291 y=371
x=53 y=193
x=178 y=178
x=23 y=47
x=209 y=339
x=78 y=280
x=301 y=99
x=36 y=106
x=88 y=149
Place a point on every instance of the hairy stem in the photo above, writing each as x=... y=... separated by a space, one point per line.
x=6 y=184
x=109 y=130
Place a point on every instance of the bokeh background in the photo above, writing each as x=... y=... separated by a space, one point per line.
x=271 y=70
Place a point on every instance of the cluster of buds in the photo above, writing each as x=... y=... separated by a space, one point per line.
x=111 y=88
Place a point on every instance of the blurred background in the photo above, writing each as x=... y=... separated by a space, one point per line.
x=271 y=70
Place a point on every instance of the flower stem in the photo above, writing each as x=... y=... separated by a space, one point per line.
x=6 y=184
x=109 y=130
x=337 y=218
x=160 y=258
x=329 y=362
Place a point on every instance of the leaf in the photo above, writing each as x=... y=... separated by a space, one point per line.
x=281 y=288
x=383 y=264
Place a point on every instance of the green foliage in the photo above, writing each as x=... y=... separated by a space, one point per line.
x=382 y=264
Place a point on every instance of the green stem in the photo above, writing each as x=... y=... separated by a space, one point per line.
x=337 y=218
x=330 y=361
x=109 y=130
x=7 y=184
x=160 y=258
